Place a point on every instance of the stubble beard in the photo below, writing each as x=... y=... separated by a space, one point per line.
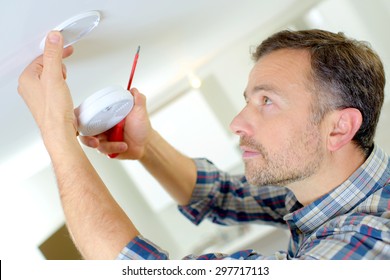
x=296 y=162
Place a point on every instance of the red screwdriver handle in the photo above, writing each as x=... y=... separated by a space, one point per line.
x=115 y=134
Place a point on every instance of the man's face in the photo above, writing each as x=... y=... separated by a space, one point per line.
x=279 y=140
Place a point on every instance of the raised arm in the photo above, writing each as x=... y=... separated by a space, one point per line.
x=98 y=225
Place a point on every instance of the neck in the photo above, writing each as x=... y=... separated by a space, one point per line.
x=336 y=168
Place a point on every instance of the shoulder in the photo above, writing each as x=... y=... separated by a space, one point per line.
x=351 y=236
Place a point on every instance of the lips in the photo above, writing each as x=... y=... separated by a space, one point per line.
x=248 y=152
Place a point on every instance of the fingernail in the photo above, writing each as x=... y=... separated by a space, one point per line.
x=122 y=147
x=54 y=38
x=92 y=143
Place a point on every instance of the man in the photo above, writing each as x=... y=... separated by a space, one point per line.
x=313 y=101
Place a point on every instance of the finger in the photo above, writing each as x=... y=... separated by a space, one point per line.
x=68 y=51
x=112 y=147
x=52 y=57
x=90 y=141
x=139 y=98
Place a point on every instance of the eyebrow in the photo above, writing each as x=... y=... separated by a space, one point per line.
x=265 y=88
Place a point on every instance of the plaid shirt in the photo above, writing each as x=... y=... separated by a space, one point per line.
x=350 y=222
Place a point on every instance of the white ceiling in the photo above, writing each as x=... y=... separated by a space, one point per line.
x=176 y=37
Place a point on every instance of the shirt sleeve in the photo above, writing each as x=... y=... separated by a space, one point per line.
x=142 y=249
x=227 y=199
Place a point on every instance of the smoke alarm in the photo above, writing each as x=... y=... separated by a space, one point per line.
x=76 y=27
x=103 y=110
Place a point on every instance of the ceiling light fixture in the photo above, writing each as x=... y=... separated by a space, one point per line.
x=195 y=81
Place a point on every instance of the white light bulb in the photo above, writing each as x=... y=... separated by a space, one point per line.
x=195 y=81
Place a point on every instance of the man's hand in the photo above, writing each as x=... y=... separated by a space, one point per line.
x=42 y=86
x=136 y=135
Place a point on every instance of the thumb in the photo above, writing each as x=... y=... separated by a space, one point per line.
x=52 y=57
x=139 y=98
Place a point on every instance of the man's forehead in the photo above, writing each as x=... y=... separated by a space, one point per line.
x=287 y=64
x=280 y=72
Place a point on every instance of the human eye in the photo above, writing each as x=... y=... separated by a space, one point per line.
x=267 y=100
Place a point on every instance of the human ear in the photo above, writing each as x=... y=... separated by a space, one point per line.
x=345 y=124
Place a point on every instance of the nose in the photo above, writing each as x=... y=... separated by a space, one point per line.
x=239 y=124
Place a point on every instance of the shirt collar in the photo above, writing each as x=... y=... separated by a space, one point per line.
x=364 y=181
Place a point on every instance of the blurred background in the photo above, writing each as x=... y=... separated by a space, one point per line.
x=193 y=68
